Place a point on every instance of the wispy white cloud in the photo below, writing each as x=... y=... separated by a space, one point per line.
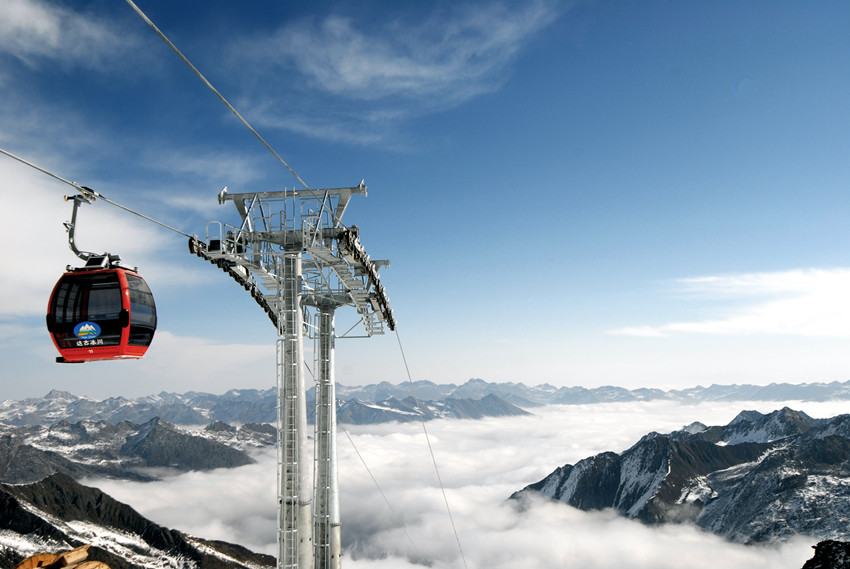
x=454 y=56
x=190 y=179
x=34 y=30
x=481 y=464
x=812 y=302
x=207 y=167
x=373 y=74
x=364 y=129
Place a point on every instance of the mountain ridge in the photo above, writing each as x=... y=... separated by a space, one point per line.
x=237 y=406
x=259 y=405
x=760 y=478
x=58 y=513
x=127 y=450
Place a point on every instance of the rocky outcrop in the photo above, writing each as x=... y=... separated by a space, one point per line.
x=830 y=555
x=57 y=513
x=98 y=449
x=761 y=478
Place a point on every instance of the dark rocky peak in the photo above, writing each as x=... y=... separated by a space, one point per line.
x=149 y=427
x=802 y=421
x=473 y=389
x=64 y=432
x=750 y=426
x=695 y=428
x=489 y=405
x=409 y=403
x=56 y=394
x=264 y=428
x=161 y=444
x=746 y=417
x=839 y=426
x=830 y=555
x=220 y=427
x=37 y=512
x=257 y=434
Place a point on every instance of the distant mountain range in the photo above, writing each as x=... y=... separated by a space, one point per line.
x=57 y=513
x=127 y=450
x=761 y=478
x=93 y=447
x=241 y=407
x=385 y=402
x=527 y=397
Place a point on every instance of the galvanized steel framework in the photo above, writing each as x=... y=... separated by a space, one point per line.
x=294 y=256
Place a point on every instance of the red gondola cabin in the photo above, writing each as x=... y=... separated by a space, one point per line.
x=101 y=314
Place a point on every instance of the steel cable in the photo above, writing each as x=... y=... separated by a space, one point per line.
x=431 y=449
x=214 y=90
x=90 y=193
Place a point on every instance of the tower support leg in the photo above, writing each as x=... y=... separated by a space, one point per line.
x=294 y=477
x=326 y=520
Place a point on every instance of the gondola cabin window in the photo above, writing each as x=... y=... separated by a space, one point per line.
x=142 y=312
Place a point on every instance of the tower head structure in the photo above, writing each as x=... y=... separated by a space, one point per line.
x=337 y=270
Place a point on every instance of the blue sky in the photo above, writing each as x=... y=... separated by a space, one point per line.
x=580 y=193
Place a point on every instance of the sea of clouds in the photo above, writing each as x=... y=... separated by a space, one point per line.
x=481 y=463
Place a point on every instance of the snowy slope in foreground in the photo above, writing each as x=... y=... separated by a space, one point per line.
x=58 y=514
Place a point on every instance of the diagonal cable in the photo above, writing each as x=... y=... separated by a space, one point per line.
x=214 y=90
x=380 y=491
x=90 y=193
x=372 y=476
x=430 y=449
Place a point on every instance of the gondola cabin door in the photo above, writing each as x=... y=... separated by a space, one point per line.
x=101 y=314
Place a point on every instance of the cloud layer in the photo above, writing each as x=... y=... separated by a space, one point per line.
x=481 y=464
x=800 y=302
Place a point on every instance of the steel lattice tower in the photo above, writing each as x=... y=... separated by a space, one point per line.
x=292 y=253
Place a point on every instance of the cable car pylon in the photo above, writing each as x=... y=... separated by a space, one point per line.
x=300 y=263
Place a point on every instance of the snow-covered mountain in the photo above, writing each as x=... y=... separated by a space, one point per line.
x=95 y=447
x=57 y=514
x=761 y=478
x=239 y=406
x=254 y=406
x=357 y=412
x=98 y=448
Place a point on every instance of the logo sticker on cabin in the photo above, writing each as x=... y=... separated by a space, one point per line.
x=87 y=330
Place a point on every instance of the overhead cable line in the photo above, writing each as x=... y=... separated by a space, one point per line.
x=380 y=491
x=430 y=448
x=90 y=193
x=372 y=476
x=214 y=90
